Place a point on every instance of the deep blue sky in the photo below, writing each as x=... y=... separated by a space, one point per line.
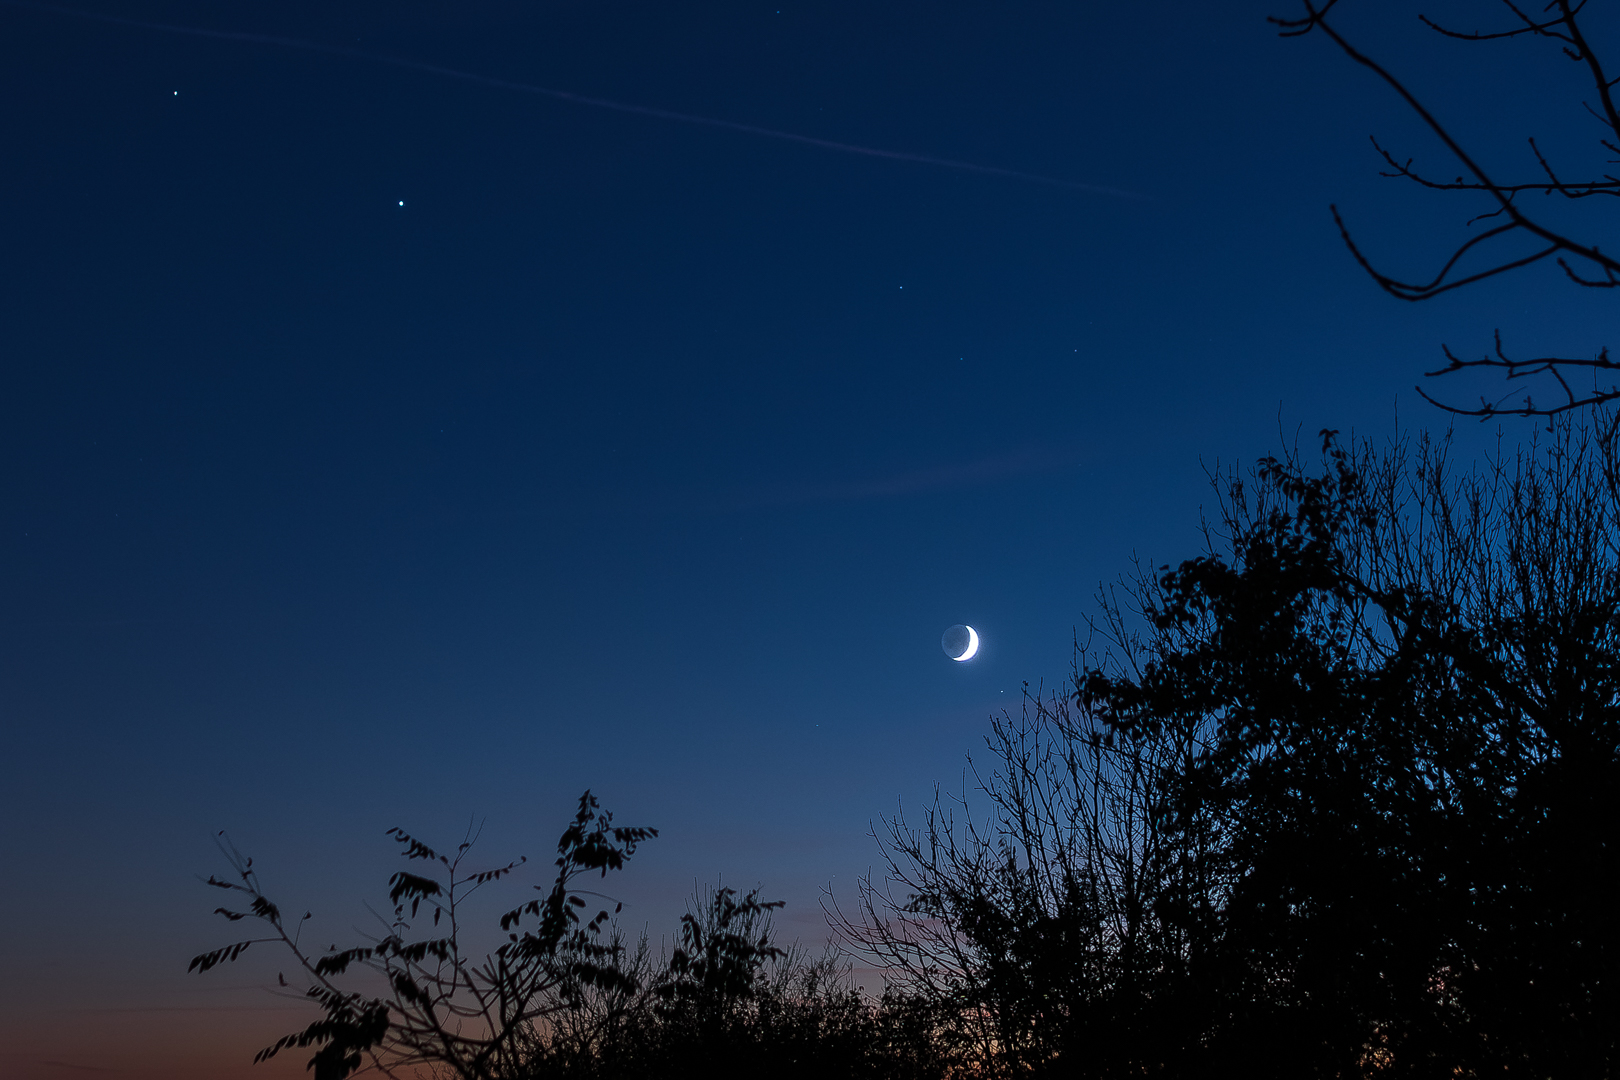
x=626 y=454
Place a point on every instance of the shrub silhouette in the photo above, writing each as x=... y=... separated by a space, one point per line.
x=566 y=998
x=726 y=1003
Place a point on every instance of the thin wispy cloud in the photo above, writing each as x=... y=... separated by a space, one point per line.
x=917 y=481
x=305 y=45
x=68 y=1065
x=200 y=1009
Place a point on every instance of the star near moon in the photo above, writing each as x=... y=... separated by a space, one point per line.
x=960 y=642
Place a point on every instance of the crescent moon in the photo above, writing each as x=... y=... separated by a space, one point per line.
x=973 y=645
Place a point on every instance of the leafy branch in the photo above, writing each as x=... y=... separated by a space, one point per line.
x=444 y=1008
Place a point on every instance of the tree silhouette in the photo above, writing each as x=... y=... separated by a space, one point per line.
x=1413 y=680
x=1513 y=235
x=1340 y=796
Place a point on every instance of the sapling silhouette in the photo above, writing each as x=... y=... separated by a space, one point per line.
x=473 y=1017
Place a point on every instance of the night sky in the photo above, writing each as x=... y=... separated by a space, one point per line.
x=383 y=447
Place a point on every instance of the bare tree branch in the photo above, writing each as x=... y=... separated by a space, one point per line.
x=1582 y=260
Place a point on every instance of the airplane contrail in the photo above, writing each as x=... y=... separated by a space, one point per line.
x=564 y=95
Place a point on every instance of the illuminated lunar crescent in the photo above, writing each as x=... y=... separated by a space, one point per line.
x=960 y=642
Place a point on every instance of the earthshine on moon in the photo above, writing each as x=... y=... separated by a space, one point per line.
x=960 y=642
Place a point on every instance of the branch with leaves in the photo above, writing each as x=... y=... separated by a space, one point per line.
x=444 y=1008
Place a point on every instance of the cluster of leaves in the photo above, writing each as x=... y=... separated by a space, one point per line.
x=1341 y=796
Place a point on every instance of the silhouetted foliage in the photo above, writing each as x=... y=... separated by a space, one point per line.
x=728 y=1003
x=440 y=1007
x=1041 y=931
x=1341 y=798
x=1512 y=234
x=1412 y=682
x=566 y=999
